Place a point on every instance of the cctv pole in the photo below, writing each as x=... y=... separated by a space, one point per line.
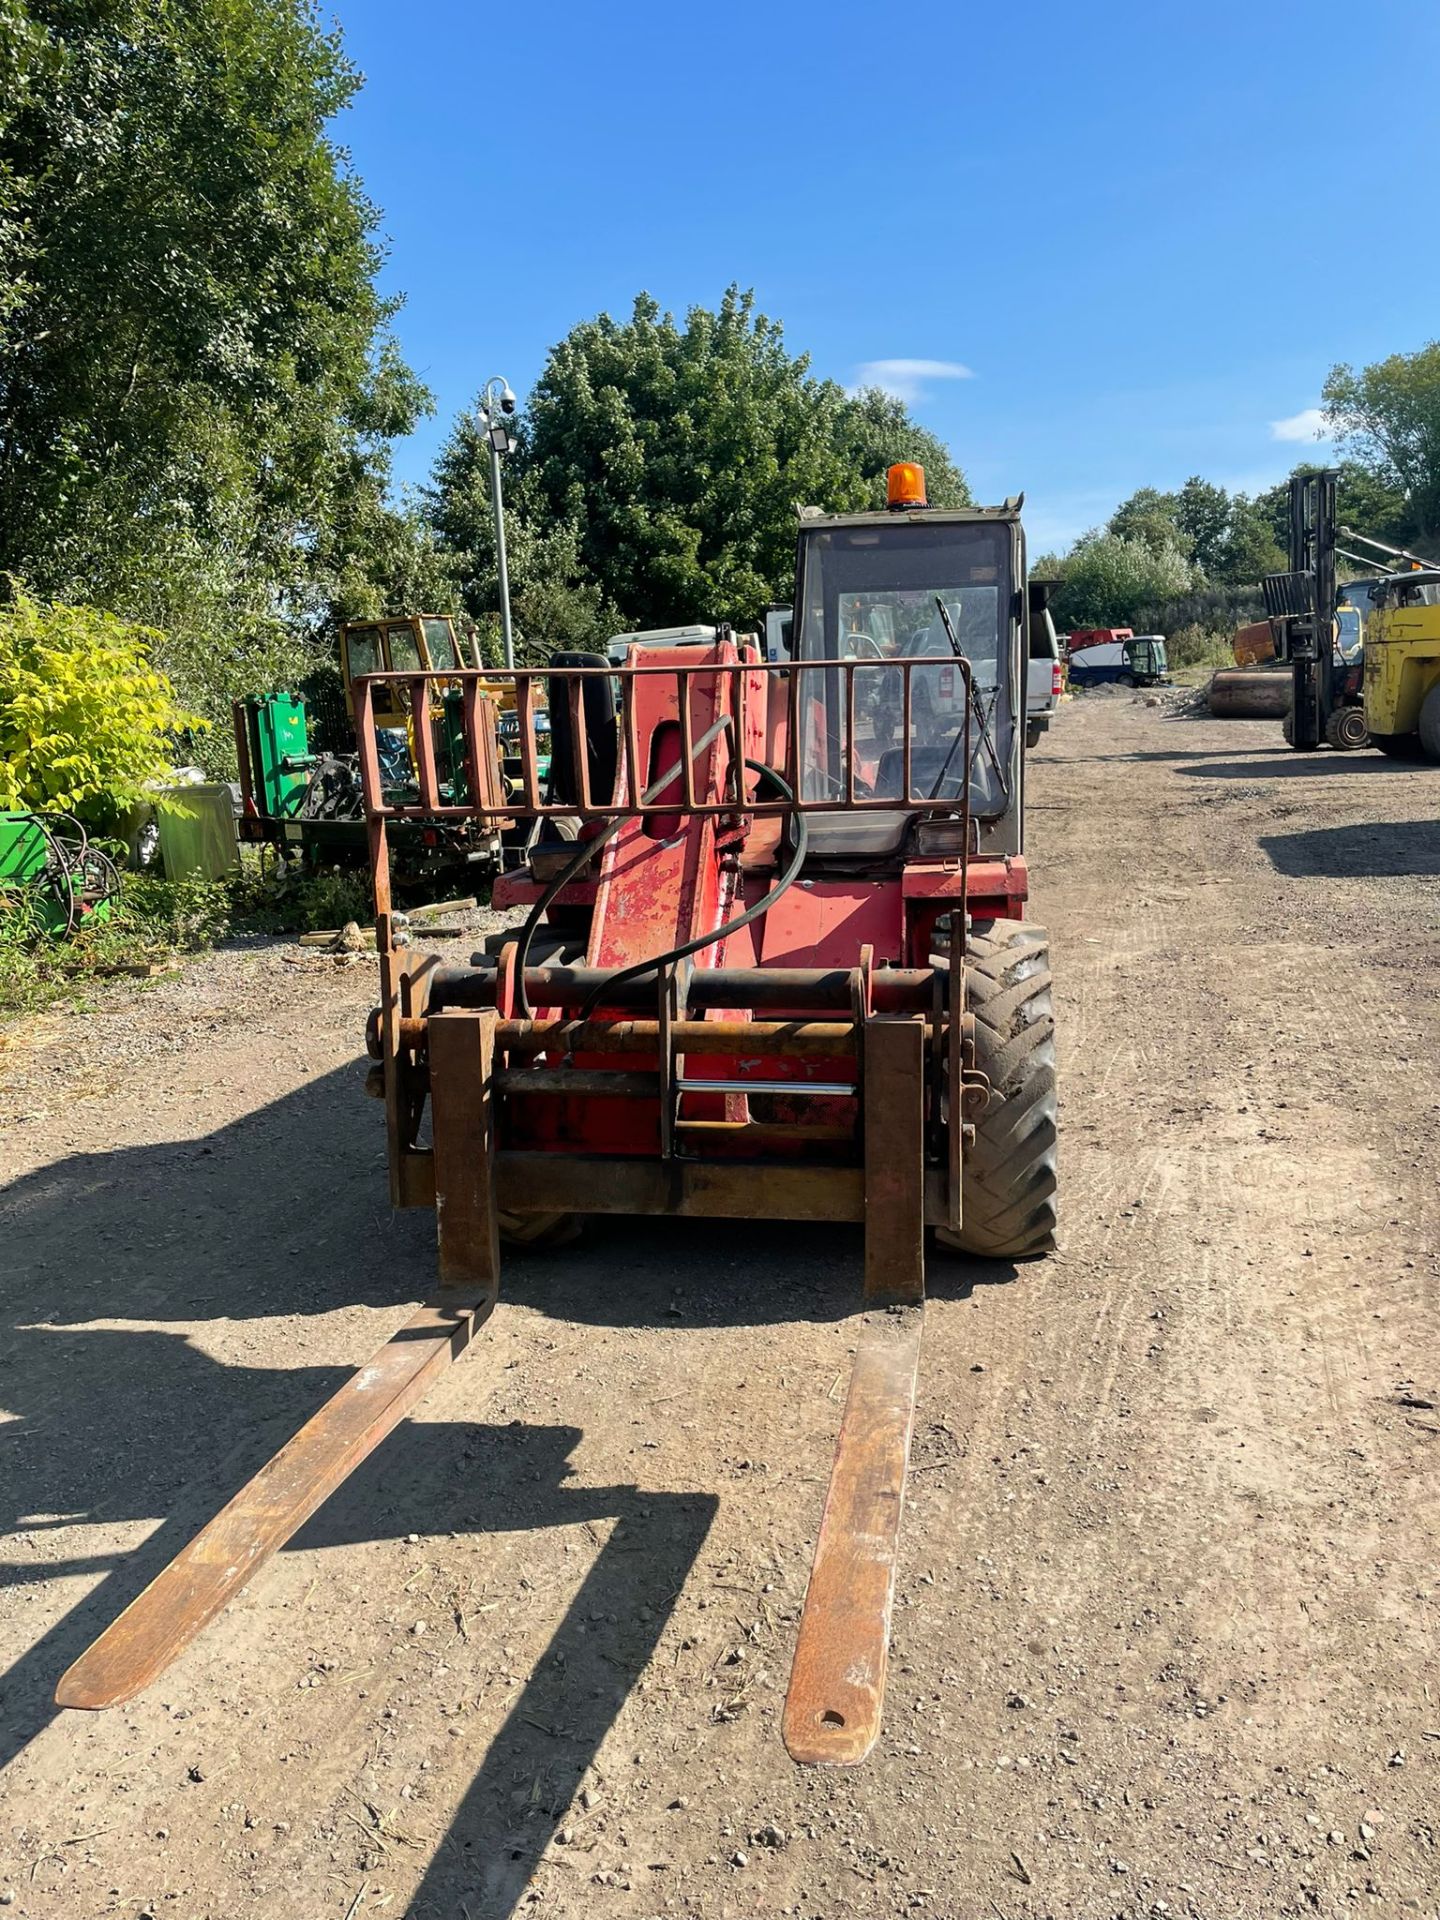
x=507 y=641
x=492 y=411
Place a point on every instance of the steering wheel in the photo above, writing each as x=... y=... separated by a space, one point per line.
x=854 y=641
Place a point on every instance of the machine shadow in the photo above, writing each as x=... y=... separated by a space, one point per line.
x=1375 y=850
x=1287 y=764
x=281 y=1213
x=479 y=1479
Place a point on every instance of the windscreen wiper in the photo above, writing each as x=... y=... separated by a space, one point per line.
x=981 y=713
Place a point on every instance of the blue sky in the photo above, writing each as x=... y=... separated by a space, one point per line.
x=1113 y=219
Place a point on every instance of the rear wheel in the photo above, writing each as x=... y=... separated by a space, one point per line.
x=1398 y=746
x=1287 y=726
x=1430 y=723
x=539 y=1229
x=1346 y=728
x=1008 y=1176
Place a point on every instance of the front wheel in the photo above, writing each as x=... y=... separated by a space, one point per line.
x=1346 y=729
x=1008 y=1176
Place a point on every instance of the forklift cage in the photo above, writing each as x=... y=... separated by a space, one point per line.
x=747 y=696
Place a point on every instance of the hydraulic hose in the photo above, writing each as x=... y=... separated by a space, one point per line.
x=761 y=907
x=586 y=852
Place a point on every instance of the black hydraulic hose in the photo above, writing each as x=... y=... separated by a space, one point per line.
x=782 y=885
x=585 y=853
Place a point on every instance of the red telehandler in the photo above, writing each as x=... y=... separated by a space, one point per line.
x=774 y=967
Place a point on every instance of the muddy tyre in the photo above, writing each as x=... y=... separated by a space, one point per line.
x=539 y=1229
x=1287 y=726
x=1008 y=1181
x=1346 y=729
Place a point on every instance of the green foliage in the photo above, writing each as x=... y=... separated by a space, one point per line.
x=85 y=719
x=1151 y=519
x=656 y=475
x=150 y=922
x=1388 y=414
x=1364 y=500
x=1203 y=514
x=1226 y=537
x=1197 y=645
x=153 y=921
x=197 y=381
x=283 y=901
x=1109 y=577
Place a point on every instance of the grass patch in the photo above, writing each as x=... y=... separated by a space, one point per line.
x=153 y=921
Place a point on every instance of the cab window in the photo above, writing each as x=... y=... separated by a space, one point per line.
x=440 y=645
x=404 y=649
x=363 y=652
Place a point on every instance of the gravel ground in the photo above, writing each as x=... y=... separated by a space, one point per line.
x=1165 y=1640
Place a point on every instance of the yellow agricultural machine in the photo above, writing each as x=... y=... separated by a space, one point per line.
x=773 y=965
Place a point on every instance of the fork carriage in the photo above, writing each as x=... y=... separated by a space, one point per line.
x=773 y=966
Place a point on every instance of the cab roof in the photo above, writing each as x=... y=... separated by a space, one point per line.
x=1009 y=511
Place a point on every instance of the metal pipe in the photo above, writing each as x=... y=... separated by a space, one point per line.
x=842 y=1088
x=776 y=1040
x=769 y=989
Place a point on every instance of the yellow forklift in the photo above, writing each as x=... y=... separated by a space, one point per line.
x=1402 y=655
x=1360 y=674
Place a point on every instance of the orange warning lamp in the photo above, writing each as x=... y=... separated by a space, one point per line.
x=905 y=485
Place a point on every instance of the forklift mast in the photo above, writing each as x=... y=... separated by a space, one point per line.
x=1301 y=604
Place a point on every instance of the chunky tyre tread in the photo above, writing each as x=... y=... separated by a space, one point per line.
x=1008 y=1201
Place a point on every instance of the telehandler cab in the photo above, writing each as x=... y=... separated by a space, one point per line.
x=774 y=966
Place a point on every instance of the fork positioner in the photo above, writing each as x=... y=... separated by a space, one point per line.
x=773 y=966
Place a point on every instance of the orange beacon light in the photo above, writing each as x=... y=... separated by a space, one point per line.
x=905 y=485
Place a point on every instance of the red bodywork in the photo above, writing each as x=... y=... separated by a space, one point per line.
x=690 y=859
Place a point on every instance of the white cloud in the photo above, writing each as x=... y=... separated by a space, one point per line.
x=1308 y=424
x=907 y=380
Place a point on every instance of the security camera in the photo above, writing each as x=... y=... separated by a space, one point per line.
x=507 y=401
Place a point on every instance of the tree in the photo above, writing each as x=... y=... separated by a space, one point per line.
x=1388 y=414
x=85 y=719
x=197 y=382
x=1203 y=513
x=1363 y=500
x=1152 y=518
x=657 y=471
x=1247 y=549
x=1108 y=577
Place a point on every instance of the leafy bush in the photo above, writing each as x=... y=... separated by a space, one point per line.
x=85 y=720
x=1109 y=577
x=288 y=902
x=1200 y=646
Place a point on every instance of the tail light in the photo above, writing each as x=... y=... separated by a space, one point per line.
x=947 y=683
x=1057 y=680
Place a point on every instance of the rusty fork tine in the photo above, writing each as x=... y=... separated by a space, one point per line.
x=837 y=1683
x=137 y=1647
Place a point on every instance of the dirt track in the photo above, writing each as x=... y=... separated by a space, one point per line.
x=1166 y=1640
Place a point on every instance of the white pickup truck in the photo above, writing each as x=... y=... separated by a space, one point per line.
x=1043 y=675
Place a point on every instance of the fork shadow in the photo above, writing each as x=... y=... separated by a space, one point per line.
x=484 y=1479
